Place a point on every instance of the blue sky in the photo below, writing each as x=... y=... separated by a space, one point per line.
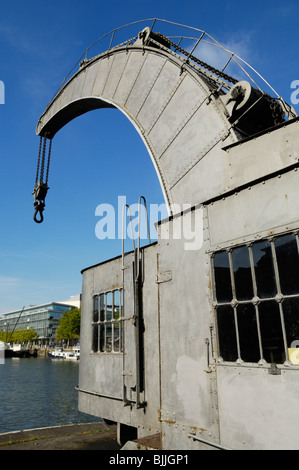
x=98 y=156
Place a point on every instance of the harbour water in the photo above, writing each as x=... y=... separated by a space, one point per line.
x=39 y=392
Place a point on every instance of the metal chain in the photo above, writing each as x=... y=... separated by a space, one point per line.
x=43 y=160
x=48 y=165
x=41 y=187
x=276 y=109
x=38 y=160
x=217 y=72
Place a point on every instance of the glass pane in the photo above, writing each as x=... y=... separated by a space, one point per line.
x=121 y=303
x=108 y=344
x=288 y=264
x=248 y=333
x=271 y=332
x=96 y=308
x=109 y=306
x=222 y=277
x=242 y=273
x=116 y=338
x=102 y=307
x=264 y=269
x=102 y=337
x=291 y=320
x=95 y=339
x=227 y=333
x=116 y=312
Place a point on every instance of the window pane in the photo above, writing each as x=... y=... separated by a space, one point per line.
x=271 y=332
x=95 y=326
x=242 y=273
x=116 y=313
x=102 y=307
x=116 y=325
x=291 y=319
x=109 y=306
x=227 y=333
x=102 y=337
x=116 y=339
x=108 y=333
x=121 y=303
x=96 y=308
x=95 y=338
x=222 y=277
x=264 y=269
x=288 y=264
x=108 y=344
x=248 y=333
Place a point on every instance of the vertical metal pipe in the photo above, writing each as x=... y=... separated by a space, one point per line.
x=125 y=399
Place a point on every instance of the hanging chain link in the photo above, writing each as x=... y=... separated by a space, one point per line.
x=203 y=64
x=41 y=186
x=275 y=107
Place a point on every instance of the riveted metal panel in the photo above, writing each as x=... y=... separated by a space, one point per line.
x=151 y=69
x=103 y=376
x=115 y=73
x=185 y=340
x=169 y=123
x=209 y=168
x=192 y=143
x=91 y=74
x=128 y=78
x=159 y=92
x=256 y=211
x=249 y=400
x=102 y=75
x=78 y=85
x=256 y=158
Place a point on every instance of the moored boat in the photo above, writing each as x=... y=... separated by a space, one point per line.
x=56 y=353
x=59 y=353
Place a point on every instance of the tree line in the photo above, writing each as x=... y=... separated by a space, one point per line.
x=68 y=328
x=23 y=335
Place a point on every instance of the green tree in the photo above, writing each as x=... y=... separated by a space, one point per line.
x=69 y=325
x=3 y=335
x=24 y=335
x=29 y=335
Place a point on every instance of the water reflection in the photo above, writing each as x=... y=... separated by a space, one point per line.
x=39 y=393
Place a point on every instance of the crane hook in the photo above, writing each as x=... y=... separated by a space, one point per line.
x=41 y=185
x=39 y=207
x=39 y=193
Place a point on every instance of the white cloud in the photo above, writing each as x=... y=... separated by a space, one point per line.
x=217 y=55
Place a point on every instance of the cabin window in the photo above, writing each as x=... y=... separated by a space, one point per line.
x=107 y=324
x=256 y=300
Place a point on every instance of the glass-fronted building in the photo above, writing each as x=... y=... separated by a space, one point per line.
x=42 y=318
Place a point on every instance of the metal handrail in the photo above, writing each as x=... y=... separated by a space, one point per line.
x=241 y=63
x=136 y=317
x=123 y=234
x=207 y=442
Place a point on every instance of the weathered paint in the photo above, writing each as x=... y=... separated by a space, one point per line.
x=249 y=190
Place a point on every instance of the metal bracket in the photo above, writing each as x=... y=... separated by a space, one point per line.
x=167 y=416
x=274 y=370
x=166 y=276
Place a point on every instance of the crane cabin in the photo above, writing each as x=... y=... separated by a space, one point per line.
x=190 y=341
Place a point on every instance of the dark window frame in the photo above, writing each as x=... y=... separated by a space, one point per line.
x=108 y=322
x=257 y=323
